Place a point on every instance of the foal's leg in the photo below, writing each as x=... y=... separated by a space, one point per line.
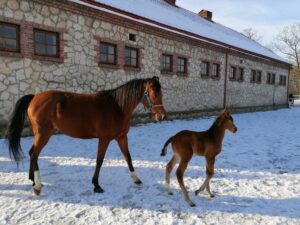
x=40 y=140
x=169 y=168
x=180 y=171
x=123 y=144
x=209 y=174
x=102 y=146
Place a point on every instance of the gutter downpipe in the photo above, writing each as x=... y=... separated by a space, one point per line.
x=225 y=78
x=288 y=83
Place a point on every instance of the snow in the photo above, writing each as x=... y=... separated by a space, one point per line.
x=176 y=17
x=257 y=178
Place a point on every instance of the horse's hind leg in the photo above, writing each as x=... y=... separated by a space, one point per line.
x=169 y=168
x=102 y=146
x=209 y=174
x=40 y=140
x=180 y=171
x=123 y=144
x=31 y=174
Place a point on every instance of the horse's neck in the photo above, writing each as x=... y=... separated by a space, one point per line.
x=218 y=132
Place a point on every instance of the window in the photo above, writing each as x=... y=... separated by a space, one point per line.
x=9 y=37
x=205 y=69
x=132 y=37
x=282 y=80
x=240 y=76
x=253 y=76
x=271 y=78
x=108 y=53
x=181 y=65
x=131 y=57
x=258 y=76
x=167 y=63
x=46 y=43
x=215 y=70
x=232 y=75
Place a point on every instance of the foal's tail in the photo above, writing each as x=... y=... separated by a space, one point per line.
x=15 y=127
x=164 y=150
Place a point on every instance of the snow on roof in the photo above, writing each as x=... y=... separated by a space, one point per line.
x=176 y=17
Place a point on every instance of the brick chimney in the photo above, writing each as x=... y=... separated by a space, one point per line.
x=171 y=2
x=206 y=14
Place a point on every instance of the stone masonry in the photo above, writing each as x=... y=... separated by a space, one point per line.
x=77 y=69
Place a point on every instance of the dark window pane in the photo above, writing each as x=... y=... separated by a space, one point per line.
x=39 y=37
x=40 y=49
x=127 y=61
x=134 y=54
x=127 y=52
x=51 y=39
x=10 y=31
x=103 y=48
x=11 y=44
x=111 y=59
x=111 y=50
x=103 y=58
x=133 y=62
x=2 y=43
x=51 y=50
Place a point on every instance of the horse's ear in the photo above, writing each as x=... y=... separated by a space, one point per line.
x=155 y=78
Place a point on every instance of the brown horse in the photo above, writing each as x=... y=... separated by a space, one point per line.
x=206 y=143
x=105 y=115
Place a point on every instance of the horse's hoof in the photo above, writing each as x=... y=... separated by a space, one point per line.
x=192 y=204
x=37 y=192
x=211 y=195
x=98 y=190
x=170 y=193
x=138 y=182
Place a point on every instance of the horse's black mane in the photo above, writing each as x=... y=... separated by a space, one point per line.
x=130 y=92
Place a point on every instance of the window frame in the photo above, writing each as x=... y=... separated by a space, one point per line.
x=282 y=80
x=217 y=76
x=115 y=53
x=163 y=69
x=137 y=57
x=57 y=34
x=185 y=60
x=258 y=76
x=18 y=39
x=233 y=73
x=207 y=63
x=240 y=76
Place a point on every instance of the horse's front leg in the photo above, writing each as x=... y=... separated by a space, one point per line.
x=102 y=147
x=210 y=162
x=123 y=144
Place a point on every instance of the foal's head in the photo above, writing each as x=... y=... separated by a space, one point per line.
x=152 y=98
x=226 y=120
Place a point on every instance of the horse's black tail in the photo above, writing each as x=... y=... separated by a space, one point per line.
x=164 y=150
x=15 y=127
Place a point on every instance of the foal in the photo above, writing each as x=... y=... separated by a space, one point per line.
x=206 y=143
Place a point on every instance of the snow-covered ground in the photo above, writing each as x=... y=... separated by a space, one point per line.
x=257 y=178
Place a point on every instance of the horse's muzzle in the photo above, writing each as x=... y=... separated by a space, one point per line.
x=235 y=130
x=159 y=117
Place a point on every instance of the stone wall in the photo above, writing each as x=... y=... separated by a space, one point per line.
x=294 y=81
x=77 y=70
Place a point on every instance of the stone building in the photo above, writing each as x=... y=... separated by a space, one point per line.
x=86 y=46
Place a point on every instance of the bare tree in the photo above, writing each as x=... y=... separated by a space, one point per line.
x=287 y=42
x=252 y=34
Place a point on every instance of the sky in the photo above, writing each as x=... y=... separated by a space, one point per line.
x=268 y=17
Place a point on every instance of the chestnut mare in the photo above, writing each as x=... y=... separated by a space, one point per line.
x=105 y=115
x=206 y=143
